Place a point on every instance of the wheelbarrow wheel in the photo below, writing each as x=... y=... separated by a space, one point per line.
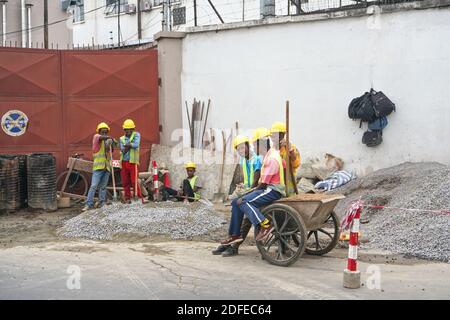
x=323 y=240
x=287 y=242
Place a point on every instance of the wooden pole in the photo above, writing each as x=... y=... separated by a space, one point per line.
x=189 y=122
x=289 y=173
x=112 y=173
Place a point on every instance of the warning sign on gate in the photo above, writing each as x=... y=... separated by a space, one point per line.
x=14 y=123
x=116 y=163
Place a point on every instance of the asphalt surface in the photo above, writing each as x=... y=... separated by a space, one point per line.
x=187 y=270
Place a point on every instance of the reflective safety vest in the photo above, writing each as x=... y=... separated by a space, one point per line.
x=295 y=163
x=273 y=154
x=134 y=153
x=101 y=160
x=192 y=182
x=247 y=166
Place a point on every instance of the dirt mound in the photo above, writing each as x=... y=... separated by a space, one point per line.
x=424 y=186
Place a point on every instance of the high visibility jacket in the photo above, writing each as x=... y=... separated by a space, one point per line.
x=192 y=182
x=134 y=153
x=295 y=164
x=101 y=160
x=248 y=170
x=281 y=188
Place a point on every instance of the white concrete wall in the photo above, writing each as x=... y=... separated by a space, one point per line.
x=319 y=66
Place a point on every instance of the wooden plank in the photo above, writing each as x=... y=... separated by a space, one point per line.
x=71 y=164
x=71 y=195
x=81 y=165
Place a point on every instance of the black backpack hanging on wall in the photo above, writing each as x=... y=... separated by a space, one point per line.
x=362 y=108
x=371 y=107
x=382 y=105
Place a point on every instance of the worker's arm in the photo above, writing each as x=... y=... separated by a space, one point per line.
x=123 y=147
x=256 y=177
x=136 y=141
x=294 y=155
x=106 y=137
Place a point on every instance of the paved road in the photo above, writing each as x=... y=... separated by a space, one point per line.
x=187 y=270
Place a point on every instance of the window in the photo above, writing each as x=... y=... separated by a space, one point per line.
x=112 y=6
x=179 y=16
x=78 y=10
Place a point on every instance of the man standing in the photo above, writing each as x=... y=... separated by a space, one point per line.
x=269 y=189
x=250 y=164
x=101 y=167
x=278 y=134
x=129 y=156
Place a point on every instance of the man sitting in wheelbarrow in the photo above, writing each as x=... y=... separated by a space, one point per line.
x=269 y=189
x=250 y=163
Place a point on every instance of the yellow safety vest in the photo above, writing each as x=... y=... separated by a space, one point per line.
x=281 y=188
x=101 y=160
x=134 y=153
x=248 y=179
x=284 y=156
x=192 y=182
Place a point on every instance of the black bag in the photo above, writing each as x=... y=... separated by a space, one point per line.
x=362 y=108
x=382 y=106
x=372 y=138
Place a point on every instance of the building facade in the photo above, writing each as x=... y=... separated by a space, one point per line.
x=98 y=22
x=23 y=24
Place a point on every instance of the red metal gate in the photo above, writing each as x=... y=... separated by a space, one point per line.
x=65 y=94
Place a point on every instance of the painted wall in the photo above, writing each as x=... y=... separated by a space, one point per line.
x=319 y=66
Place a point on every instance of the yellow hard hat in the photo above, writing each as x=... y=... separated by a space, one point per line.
x=102 y=125
x=190 y=165
x=260 y=133
x=278 y=127
x=128 y=124
x=239 y=139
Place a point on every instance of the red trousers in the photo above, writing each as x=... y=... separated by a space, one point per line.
x=128 y=175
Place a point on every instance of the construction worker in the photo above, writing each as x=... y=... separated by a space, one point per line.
x=250 y=164
x=190 y=188
x=129 y=156
x=278 y=135
x=269 y=189
x=101 y=165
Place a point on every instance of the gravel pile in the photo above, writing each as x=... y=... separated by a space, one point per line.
x=409 y=185
x=177 y=220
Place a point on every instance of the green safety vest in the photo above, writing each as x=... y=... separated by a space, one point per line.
x=101 y=160
x=192 y=182
x=134 y=153
x=281 y=188
x=248 y=180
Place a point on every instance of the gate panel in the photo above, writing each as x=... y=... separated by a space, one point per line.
x=30 y=82
x=28 y=72
x=65 y=94
x=110 y=86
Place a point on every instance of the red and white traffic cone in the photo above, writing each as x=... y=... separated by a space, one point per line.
x=155 y=181
x=352 y=276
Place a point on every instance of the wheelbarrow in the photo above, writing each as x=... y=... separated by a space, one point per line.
x=304 y=222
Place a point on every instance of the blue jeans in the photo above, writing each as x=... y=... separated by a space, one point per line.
x=99 y=180
x=250 y=205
